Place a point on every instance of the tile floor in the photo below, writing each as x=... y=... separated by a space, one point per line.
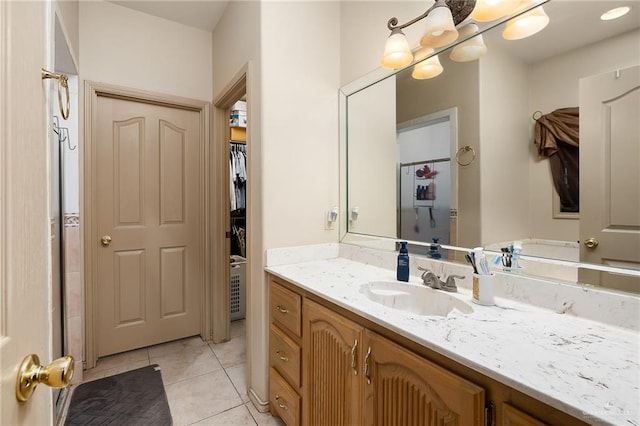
x=205 y=382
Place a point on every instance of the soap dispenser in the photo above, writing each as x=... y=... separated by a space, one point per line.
x=434 y=249
x=402 y=273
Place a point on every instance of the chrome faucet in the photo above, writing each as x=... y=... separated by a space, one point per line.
x=432 y=280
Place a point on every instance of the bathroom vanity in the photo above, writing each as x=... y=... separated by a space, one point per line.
x=338 y=355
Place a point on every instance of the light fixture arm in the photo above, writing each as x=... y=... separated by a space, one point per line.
x=460 y=9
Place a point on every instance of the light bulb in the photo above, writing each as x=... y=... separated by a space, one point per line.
x=397 y=53
x=489 y=10
x=526 y=25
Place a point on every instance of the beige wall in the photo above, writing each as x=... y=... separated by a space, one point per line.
x=504 y=152
x=372 y=154
x=457 y=86
x=292 y=53
x=554 y=84
x=299 y=111
x=363 y=32
x=68 y=13
x=241 y=23
x=132 y=49
x=236 y=42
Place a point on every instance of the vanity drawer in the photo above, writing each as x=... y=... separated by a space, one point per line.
x=285 y=308
x=285 y=402
x=285 y=355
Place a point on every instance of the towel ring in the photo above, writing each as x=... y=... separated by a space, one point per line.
x=462 y=151
x=63 y=82
x=536 y=115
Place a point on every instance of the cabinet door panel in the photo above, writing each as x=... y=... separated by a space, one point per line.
x=332 y=354
x=402 y=388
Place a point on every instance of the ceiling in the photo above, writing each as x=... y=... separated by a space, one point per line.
x=568 y=19
x=203 y=14
x=572 y=24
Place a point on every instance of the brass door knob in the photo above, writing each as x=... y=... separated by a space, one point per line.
x=591 y=243
x=105 y=240
x=58 y=374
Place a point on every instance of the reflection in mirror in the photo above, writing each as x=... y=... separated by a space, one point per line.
x=506 y=193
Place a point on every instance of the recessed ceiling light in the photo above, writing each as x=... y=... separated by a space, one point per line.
x=615 y=13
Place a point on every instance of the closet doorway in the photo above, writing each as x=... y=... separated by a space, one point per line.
x=231 y=233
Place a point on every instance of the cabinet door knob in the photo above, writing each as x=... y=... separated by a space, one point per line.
x=281 y=356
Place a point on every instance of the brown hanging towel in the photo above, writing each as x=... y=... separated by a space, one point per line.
x=557 y=138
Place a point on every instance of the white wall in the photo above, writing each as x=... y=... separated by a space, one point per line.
x=71 y=152
x=553 y=84
x=129 y=48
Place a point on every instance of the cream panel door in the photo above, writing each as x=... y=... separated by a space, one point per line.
x=25 y=307
x=147 y=204
x=610 y=175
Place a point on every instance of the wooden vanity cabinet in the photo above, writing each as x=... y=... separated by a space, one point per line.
x=354 y=376
x=342 y=369
x=285 y=313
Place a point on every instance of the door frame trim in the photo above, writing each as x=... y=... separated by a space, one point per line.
x=92 y=90
x=235 y=88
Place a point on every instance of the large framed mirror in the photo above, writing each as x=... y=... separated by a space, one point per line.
x=454 y=157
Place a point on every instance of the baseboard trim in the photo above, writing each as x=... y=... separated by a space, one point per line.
x=261 y=406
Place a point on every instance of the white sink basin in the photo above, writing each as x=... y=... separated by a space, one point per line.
x=414 y=298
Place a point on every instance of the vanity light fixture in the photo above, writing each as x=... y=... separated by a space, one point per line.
x=430 y=68
x=615 y=13
x=471 y=49
x=439 y=30
x=527 y=24
x=490 y=10
x=397 y=53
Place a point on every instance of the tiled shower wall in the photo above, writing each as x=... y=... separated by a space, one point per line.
x=73 y=291
x=71 y=236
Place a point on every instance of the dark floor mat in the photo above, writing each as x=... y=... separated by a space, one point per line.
x=134 y=398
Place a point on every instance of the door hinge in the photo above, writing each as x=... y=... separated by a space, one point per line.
x=227 y=234
x=490 y=414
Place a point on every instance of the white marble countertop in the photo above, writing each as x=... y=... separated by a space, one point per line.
x=582 y=367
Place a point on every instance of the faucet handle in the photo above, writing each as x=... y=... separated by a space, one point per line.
x=432 y=280
x=450 y=284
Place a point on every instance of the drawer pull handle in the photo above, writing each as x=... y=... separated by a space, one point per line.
x=282 y=310
x=366 y=366
x=281 y=356
x=354 y=350
x=280 y=404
